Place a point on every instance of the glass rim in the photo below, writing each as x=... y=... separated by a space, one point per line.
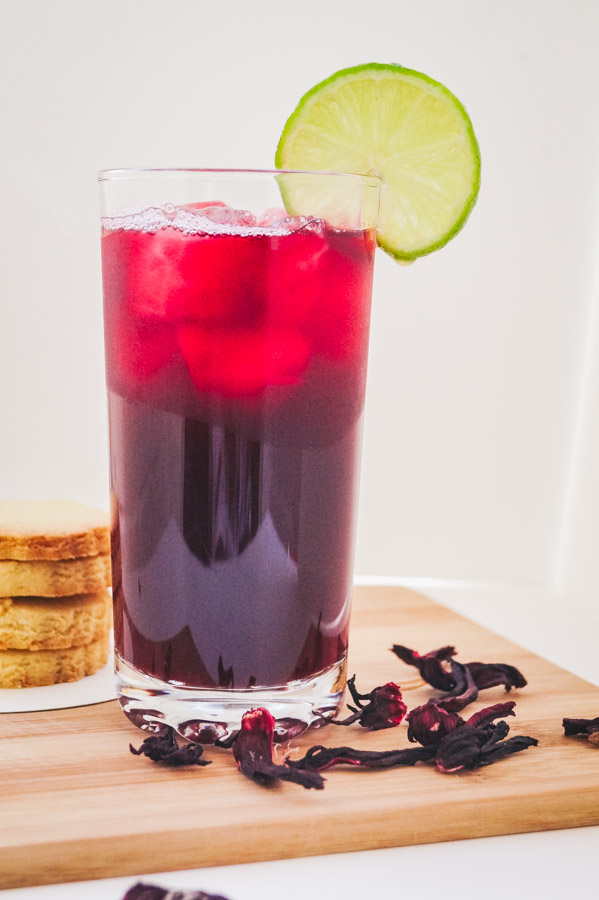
x=135 y=172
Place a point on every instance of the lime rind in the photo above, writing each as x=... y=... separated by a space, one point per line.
x=386 y=120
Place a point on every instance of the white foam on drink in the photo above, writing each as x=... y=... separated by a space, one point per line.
x=209 y=220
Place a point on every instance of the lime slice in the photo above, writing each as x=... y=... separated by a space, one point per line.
x=404 y=127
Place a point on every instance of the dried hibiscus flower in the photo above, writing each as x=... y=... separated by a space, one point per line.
x=253 y=749
x=382 y=708
x=460 y=681
x=142 y=891
x=460 y=744
x=429 y=724
x=587 y=727
x=319 y=758
x=163 y=748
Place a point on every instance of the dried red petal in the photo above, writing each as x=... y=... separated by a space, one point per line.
x=163 y=748
x=318 y=758
x=488 y=675
x=462 y=749
x=485 y=717
x=253 y=752
x=141 y=891
x=464 y=690
x=428 y=724
x=430 y=665
x=472 y=748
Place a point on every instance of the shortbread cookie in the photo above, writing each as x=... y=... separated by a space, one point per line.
x=40 y=623
x=54 y=578
x=51 y=529
x=28 y=668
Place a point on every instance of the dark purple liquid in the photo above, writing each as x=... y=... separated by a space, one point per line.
x=238 y=552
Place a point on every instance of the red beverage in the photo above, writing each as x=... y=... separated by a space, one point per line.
x=236 y=368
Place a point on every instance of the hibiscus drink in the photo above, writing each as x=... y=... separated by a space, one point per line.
x=236 y=351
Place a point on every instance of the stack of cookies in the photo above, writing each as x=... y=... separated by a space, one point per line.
x=55 y=609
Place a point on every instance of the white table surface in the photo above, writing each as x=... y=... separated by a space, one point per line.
x=548 y=865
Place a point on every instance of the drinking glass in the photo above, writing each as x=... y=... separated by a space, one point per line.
x=237 y=309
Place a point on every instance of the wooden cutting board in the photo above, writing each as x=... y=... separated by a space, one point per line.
x=75 y=804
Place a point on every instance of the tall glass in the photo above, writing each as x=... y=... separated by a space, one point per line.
x=237 y=312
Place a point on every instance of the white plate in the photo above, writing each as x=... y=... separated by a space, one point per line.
x=96 y=688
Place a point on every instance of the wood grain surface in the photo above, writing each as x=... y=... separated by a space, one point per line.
x=76 y=805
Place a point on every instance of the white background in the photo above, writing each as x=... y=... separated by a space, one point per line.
x=481 y=436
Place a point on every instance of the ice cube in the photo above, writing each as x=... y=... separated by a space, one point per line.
x=277 y=219
x=302 y=223
x=226 y=215
x=272 y=217
x=294 y=286
x=242 y=362
x=212 y=218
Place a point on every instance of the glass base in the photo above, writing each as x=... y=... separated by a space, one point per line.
x=205 y=715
